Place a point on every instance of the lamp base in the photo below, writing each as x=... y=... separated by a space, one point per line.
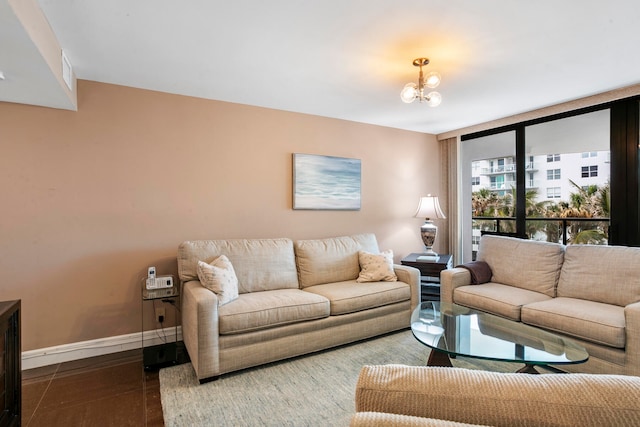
x=430 y=252
x=428 y=232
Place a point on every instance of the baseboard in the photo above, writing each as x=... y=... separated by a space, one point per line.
x=81 y=350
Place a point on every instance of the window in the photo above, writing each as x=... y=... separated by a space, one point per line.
x=553 y=192
x=602 y=136
x=497 y=182
x=553 y=174
x=542 y=202
x=475 y=180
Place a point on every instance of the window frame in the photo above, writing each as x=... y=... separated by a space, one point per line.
x=624 y=218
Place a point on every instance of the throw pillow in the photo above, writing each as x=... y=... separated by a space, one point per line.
x=376 y=267
x=220 y=278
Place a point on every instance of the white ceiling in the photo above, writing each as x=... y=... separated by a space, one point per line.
x=349 y=59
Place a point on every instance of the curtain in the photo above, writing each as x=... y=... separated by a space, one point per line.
x=449 y=197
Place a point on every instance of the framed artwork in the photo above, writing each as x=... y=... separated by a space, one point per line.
x=326 y=182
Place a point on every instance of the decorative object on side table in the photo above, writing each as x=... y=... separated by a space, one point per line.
x=429 y=208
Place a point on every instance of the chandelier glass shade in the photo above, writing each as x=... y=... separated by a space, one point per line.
x=420 y=91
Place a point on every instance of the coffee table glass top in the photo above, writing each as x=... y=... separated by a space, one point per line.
x=461 y=331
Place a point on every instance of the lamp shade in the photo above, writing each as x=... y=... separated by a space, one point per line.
x=429 y=208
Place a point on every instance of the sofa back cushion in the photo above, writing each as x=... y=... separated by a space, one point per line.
x=331 y=260
x=525 y=264
x=608 y=274
x=260 y=264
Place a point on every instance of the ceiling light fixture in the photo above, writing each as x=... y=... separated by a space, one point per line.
x=413 y=91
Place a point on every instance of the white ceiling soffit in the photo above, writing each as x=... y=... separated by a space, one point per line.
x=349 y=59
x=28 y=77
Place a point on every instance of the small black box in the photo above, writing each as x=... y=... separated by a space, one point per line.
x=161 y=355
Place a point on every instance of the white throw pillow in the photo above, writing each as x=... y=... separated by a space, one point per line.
x=376 y=267
x=220 y=278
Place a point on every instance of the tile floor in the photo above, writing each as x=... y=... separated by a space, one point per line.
x=111 y=390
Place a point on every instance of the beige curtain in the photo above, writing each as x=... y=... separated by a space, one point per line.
x=449 y=196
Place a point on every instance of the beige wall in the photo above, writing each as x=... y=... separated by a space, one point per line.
x=92 y=198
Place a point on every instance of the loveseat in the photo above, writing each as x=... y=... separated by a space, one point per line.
x=588 y=293
x=292 y=298
x=397 y=395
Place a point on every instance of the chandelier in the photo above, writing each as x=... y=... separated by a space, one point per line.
x=413 y=91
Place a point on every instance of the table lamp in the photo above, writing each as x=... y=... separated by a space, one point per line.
x=429 y=208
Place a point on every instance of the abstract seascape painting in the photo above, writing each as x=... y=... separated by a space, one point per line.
x=326 y=182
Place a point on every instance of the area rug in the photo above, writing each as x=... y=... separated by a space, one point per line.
x=312 y=390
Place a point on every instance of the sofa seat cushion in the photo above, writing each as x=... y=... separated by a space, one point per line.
x=526 y=264
x=260 y=310
x=351 y=296
x=591 y=321
x=497 y=298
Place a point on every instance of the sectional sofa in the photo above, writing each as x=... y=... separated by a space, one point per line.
x=291 y=298
x=588 y=293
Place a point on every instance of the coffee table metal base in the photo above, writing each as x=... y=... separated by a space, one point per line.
x=439 y=358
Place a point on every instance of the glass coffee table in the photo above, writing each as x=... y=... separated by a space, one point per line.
x=451 y=330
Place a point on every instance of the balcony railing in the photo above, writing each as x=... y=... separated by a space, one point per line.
x=561 y=230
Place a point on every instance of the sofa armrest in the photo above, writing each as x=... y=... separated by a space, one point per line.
x=450 y=280
x=200 y=328
x=410 y=275
x=492 y=398
x=632 y=338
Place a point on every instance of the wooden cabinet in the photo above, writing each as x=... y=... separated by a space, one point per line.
x=10 y=364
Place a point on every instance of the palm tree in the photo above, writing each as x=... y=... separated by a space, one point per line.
x=588 y=202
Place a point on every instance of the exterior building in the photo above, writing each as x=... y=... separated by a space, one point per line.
x=550 y=175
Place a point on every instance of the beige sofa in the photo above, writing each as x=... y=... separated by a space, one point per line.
x=294 y=298
x=396 y=395
x=586 y=292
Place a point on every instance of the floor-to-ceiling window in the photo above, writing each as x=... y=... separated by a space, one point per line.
x=569 y=199
x=488 y=177
x=570 y=178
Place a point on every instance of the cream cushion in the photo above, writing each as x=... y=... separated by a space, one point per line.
x=525 y=264
x=220 y=278
x=588 y=320
x=260 y=264
x=260 y=310
x=376 y=267
x=608 y=274
x=331 y=260
x=351 y=296
x=506 y=301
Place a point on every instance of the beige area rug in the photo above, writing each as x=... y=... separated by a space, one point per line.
x=312 y=390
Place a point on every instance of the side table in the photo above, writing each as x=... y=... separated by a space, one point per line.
x=166 y=353
x=429 y=273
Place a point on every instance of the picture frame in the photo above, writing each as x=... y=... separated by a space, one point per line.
x=326 y=182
